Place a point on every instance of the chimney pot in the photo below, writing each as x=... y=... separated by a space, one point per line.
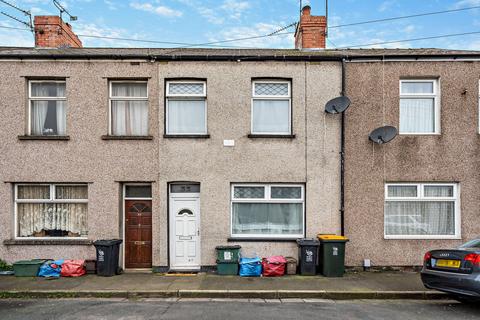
x=306 y=10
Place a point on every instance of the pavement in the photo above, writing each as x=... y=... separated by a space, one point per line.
x=362 y=285
x=232 y=309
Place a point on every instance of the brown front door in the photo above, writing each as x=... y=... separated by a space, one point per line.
x=138 y=234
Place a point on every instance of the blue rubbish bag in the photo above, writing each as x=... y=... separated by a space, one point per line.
x=51 y=269
x=250 y=267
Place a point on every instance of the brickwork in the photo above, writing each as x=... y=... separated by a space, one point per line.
x=310 y=33
x=52 y=32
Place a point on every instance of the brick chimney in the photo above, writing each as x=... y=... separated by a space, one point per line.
x=310 y=33
x=52 y=32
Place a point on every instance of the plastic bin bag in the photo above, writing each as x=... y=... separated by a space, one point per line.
x=51 y=269
x=250 y=267
x=274 y=266
x=73 y=268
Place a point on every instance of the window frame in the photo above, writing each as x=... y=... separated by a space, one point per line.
x=135 y=184
x=111 y=98
x=266 y=199
x=269 y=97
x=50 y=200
x=30 y=99
x=193 y=97
x=421 y=197
x=436 y=102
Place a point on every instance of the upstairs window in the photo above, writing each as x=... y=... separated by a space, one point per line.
x=422 y=211
x=186 y=108
x=271 y=107
x=419 y=107
x=51 y=210
x=47 y=108
x=129 y=108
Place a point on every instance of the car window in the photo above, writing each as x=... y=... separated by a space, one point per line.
x=471 y=244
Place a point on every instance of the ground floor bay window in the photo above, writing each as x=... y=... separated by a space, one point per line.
x=51 y=210
x=268 y=211
x=422 y=211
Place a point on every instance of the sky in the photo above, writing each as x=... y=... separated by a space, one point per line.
x=202 y=21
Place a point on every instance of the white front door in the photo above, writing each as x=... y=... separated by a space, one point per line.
x=184 y=231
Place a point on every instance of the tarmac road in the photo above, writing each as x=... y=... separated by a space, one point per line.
x=234 y=309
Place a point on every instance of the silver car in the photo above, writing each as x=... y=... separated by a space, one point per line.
x=455 y=271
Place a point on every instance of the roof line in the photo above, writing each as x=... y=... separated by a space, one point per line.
x=348 y=56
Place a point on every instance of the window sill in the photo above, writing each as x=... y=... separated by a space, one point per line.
x=271 y=136
x=37 y=242
x=186 y=136
x=406 y=134
x=62 y=138
x=422 y=238
x=107 y=137
x=261 y=240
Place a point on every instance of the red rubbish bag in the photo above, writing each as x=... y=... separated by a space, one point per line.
x=274 y=266
x=73 y=268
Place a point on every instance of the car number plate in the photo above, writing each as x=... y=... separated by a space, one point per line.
x=448 y=263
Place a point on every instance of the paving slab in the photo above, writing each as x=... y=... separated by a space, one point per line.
x=368 y=285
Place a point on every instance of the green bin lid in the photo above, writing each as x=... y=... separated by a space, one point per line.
x=227 y=247
x=35 y=261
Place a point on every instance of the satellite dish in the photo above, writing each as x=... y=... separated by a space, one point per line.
x=383 y=134
x=337 y=105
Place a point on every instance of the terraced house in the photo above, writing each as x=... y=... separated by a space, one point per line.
x=176 y=151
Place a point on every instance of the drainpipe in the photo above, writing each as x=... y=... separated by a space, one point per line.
x=342 y=160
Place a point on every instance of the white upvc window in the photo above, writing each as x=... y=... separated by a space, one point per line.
x=51 y=211
x=419 y=106
x=422 y=211
x=267 y=211
x=186 y=110
x=128 y=108
x=47 y=109
x=271 y=107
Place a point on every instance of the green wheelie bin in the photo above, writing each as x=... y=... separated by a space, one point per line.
x=332 y=255
x=227 y=259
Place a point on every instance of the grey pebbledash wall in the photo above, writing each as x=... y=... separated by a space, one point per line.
x=452 y=156
x=311 y=158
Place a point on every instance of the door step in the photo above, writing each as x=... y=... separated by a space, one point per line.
x=138 y=270
x=182 y=273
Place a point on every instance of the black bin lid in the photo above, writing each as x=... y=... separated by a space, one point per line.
x=107 y=243
x=308 y=242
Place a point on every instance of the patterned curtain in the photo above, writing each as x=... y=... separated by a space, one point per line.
x=37 y=217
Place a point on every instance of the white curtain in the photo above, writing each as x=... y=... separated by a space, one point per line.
x=402 y=191
x=48 y=89
x=137 y=90
x=417 y=115
x=439 y=191
x=420 y=217
x=39 y=115
x=33 y=218
x=417 y=87
x=271 y=116
x=268 y=218
x=186 y=116
x=129 y=117
x=61 y=117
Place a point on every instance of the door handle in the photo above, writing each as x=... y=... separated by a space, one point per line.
x=198 y=232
